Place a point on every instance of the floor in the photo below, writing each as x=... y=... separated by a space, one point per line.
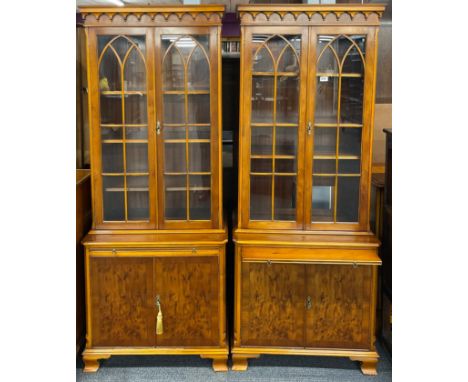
x=264 y=369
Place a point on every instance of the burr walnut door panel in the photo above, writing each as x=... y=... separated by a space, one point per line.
x=272 y=304
x=339 y=301
x=122 y=301
x=189 y=294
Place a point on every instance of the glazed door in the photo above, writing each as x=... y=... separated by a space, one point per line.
x=188 y=292
x=339 y=143
x=272 y=304
x=121 y=304
x=339 y=305
x=273 y=125
x=188 y=127
x=122 y=112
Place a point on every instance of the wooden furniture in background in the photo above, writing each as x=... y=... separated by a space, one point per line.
x=376 y=219
x=386 y=250
x=306 y=259
x=83 y=224
x=155 y=257
x=377 y=182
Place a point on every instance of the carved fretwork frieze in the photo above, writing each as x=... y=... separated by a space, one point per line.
x=311 y=14
x=144 y=16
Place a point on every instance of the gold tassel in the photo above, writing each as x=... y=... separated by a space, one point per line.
x=159 y=320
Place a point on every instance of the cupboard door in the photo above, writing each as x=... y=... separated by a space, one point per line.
x=122 y=111
x=272 y=304
x=273 y=102
x=188 y=288
x=338 y=146
x=188 y=127
x=122 y=308
x=339 y=301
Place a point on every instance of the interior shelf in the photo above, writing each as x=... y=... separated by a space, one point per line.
x=334 y=174
x=339 y=157
x=190 y=188
x=122 y=125
x=273 y=156
x=335 y=124
x=278 y=74
x=183 y=92
x=122 y=189
x=332 y=74
x=119 y=93
x=124 y=141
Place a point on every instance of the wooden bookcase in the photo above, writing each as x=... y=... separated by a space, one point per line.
x=306 y=260
x=157 y=244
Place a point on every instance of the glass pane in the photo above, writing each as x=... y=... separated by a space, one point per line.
x=260 y=197
x=287 y=100
x=204 y=41
x=325 y=141
x=185 y=44
x=103 y=40
x=349 y=166
x=135 y=109
x=352 y=93
x=200 y=197
x=285 y=165
x=347 y=209
x=200 y=181
x=176 y=197
x=199 y=157
x=199 y=132
x=137 y=198
x=173 y=70
x=342 y=44
x=111 y=108
x=111 y=133
x=262 y=99
x=112 y=158
x=262 y=62
x=324 y=166
x=350 y=141
x=137 y=157
x=136 y=132
x=326 y=99
x=137 y=183
x=327 y=61
x=174 y=132
x=198 y=71
x=134 y=72
x=121 y=46
x=285 y=198
x=276 y=44
x=323 y=196
x=286 y=140
x=174 y=157
x=199 y=108
x=353 y=61
x=262 y=141
x=261 y=165
x=109 y=72
x=113 y=198
x=138 y=205
x=174 y=110
x=288 y=62
x=200 y=205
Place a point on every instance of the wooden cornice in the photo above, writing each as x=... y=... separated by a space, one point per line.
x=211 y=13
x=252 y=11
